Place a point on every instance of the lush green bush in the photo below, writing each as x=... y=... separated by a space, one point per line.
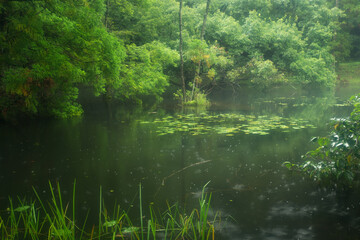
x=192 y=98
x=49 y=48
x=313 y=72
x=263 y=74
x=143 y=74
x=336 y=160
x=267 y=47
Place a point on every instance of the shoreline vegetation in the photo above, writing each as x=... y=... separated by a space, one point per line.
x=55 y=219
x=335 y=160
x=138 y=52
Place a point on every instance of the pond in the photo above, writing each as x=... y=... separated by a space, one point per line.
x=238 y=144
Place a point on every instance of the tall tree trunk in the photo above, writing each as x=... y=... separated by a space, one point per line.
x=204 y=21
x=181 y=52
x=197 y=71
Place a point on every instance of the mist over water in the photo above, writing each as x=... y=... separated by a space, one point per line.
x=256 y=197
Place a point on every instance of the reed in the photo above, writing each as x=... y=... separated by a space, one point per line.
x=54 y=220
x=141 y=213
x=59 y=225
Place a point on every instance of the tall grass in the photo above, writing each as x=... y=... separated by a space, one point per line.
x=39 y=220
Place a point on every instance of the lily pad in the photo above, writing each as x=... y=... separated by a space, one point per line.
x=227 y=124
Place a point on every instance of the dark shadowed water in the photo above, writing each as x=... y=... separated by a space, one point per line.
x=256 y=197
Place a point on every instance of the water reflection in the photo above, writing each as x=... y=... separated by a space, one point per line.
x=257 y=198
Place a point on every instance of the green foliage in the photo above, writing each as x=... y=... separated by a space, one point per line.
x=240 y=9
x=210 y=59
x=262 y=73
x=127 y=49
x=192 y=98
x=281 y=42
x=66 y=106
x=228 y=33
x=346 y=45
x=143 y=75
x=271 y=42
x=158 y=22
x=197 y=51
x=336 y=160
x=52 y=220
x=48 y=49
x=342 y=47
x=313 y=72
x=227 y=124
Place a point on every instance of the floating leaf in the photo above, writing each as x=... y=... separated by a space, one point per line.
x=227 y=124
x=22 y=208
x=109 y=223
x=130 y=230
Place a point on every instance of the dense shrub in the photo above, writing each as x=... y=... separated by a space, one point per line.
x=336 y=160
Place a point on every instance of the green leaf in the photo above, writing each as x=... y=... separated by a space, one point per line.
x=288 y=165
x=130 y=230
x=22 y=208
x=109 y=223
x=323 y=141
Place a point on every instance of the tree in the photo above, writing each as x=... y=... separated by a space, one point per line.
x=143 y=77
x=49 y=49
x=346 y=42
x=196 y=81
x=181 y=52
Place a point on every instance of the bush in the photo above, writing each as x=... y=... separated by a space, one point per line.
x=261 y=73
x=192 y=98
x=336 y=160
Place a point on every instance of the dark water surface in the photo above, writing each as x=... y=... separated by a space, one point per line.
x=256 y=196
